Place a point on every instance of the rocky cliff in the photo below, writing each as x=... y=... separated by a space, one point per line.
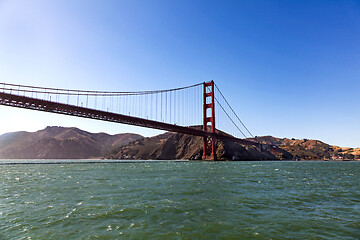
x=182 y=146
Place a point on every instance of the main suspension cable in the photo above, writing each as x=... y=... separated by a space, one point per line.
x=62 y=91
x=234 y=112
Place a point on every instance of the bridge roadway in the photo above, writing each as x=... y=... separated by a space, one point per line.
x=11 y=100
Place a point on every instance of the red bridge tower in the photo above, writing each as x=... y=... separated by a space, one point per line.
x=209 y=150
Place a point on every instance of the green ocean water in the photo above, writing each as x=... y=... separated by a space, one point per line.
x=181 y=200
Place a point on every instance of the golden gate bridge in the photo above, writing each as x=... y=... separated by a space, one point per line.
x=180 y=110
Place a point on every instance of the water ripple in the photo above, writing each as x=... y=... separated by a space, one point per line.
x=184 y=200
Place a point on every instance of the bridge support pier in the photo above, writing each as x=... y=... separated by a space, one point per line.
x=209 y=144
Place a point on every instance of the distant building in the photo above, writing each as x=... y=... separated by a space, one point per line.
x=337 y=158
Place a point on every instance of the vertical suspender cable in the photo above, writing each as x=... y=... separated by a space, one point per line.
x=156 y=106
x=170 y=93
x=165 y=106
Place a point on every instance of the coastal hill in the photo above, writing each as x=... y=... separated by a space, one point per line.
x=74 y=143
x=182 y=146
x=306 y=149
x=60 y=143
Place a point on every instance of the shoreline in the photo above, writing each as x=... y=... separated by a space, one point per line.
x=97 y=161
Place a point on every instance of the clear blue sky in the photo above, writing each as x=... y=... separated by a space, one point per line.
x=289 y=68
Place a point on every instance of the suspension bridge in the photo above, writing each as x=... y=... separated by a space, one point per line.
x=180 y=110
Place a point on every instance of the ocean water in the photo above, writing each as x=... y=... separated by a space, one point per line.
x=180 y=200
